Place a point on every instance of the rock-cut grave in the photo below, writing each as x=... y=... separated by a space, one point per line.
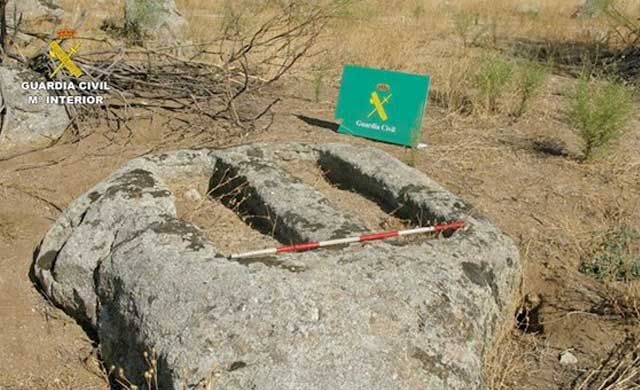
x=404 y=313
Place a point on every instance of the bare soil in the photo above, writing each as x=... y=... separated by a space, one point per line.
x=40 y=346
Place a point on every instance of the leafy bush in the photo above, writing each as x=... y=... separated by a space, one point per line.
x=595 y=7
x=600 y=112
x=531 y=78
x=319 y=75
x=139 y=15
x=145 y=12
x=462 y=22
x=418 y=10
x=624 y=26
x=615 y=256
x=491 y=79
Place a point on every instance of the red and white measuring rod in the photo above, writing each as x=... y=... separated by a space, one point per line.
x=339 y=241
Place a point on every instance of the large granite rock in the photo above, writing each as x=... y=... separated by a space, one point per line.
x=397 y=314
x=30 y=15
x=34 y=10
x=26 y=125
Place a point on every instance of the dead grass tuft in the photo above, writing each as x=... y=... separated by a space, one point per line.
x=620 y=371
x=227 y=228
x=613 y=258
x=511 y=360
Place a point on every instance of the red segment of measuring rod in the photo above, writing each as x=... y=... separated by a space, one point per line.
x=378 y=236
x=447 y=226
x=298 y=247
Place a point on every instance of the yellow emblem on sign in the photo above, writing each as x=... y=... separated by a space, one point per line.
x=56 y=52
x=378 y=105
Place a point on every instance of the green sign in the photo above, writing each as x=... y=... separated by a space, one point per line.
x=382 y=105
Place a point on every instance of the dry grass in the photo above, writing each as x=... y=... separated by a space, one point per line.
x=620 y=371
x=612 y=257
x=512 y=359
x=413 y=35
x=227 y=229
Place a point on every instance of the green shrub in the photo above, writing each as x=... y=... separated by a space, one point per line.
x=623 y=25
x=232 y=20
x=615 y=257
x=418 y=10
x=595 y=7
x=531 y=78
x=343 y=8
x=319 y=75
x=144 y=12
x=139 y=16
x=491 y=80
x=462 y=23
x=600 y=112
